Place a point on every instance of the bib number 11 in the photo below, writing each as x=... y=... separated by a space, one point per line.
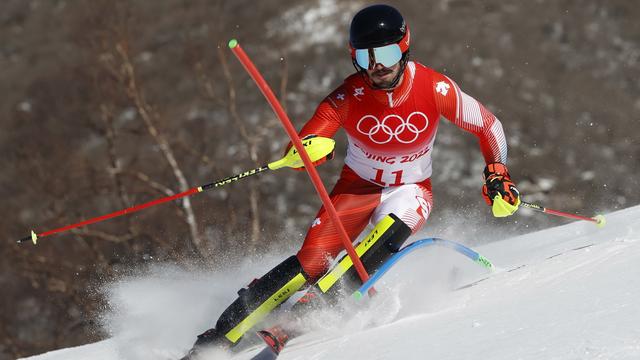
x=380 y=174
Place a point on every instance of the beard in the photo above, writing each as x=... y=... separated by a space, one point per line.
x=383 y=78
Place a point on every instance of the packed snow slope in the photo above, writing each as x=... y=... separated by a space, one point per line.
x=570 y=292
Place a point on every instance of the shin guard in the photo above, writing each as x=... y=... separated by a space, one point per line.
x=263 y=295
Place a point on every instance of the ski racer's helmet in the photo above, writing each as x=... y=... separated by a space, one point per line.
x=379 y=34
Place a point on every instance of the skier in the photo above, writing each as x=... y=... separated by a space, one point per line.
x=390 y=109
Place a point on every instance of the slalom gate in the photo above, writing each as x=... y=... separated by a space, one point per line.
x=358 y=294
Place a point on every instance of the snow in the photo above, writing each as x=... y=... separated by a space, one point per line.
x=313 y=24
x=568 y=292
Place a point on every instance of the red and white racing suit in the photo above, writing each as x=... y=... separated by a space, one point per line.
x=388 y=163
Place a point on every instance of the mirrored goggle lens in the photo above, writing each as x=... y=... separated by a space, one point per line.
x=388 y=56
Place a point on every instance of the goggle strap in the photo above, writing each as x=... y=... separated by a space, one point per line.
x=372 y=59
x=405 y=41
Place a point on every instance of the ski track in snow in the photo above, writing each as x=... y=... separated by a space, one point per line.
x=569 y=292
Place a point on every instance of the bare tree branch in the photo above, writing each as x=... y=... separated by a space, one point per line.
x=115 y=169
x=149 y=116
x=204 y=158
x=207 y=85
x=284 y=79
x=103 y=235
x=252 y=144
x=233 y=109
x=153 y=184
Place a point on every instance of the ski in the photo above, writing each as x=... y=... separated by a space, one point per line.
x=265 y=354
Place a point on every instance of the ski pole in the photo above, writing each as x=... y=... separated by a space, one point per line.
x=599 y=220
x=316 y=147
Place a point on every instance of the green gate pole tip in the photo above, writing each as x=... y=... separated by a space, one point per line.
x=233 y=43
x=357 y=295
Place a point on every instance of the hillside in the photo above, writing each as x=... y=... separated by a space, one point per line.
x=566 y=292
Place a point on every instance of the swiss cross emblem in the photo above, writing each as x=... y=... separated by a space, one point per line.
x=340 y=97
x=442 y=88
x=358 y=92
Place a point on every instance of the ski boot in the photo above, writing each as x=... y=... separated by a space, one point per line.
x=253 y=304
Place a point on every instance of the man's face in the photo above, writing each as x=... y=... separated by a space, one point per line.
x=381 y=76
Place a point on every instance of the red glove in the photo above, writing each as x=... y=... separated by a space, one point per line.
x=498 y=183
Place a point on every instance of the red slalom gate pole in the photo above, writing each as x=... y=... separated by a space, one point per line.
x=308 y=165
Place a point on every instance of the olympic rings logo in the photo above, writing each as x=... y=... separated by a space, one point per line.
x=393 y=126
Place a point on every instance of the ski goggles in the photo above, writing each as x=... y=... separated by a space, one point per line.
x=387 y=55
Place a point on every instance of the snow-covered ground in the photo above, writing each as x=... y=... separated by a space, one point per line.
x=570 y=292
